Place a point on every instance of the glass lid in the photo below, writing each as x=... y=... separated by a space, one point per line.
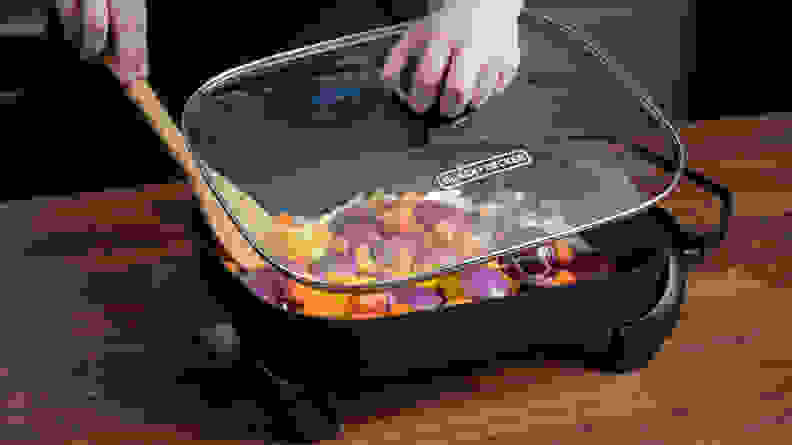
x=337 y=183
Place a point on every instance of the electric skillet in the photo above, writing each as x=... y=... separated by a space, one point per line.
x=291 y=132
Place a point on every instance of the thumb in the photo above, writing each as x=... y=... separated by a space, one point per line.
x=121 y=70
x=114 y=63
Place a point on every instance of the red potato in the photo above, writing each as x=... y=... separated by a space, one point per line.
x=437 y=256
x=357 y=234
x=564 y=254
x=430 y=213
x=298 y=267
x=335 y=264
x=419 y=298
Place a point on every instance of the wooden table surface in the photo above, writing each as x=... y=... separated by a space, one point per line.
x=723 y=378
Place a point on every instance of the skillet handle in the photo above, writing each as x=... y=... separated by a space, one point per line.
x=695 y=246
x=432 y=118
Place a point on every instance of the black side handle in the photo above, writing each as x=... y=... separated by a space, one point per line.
x=419 y=125
x=432 y=117
x=695 y=246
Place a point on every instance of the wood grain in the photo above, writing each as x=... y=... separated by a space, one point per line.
x=723 y=378
x=229 y=237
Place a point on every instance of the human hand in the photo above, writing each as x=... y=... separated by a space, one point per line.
x=479 y=44
x=86 y=24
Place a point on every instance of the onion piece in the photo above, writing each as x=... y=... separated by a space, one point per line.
x=484 y=283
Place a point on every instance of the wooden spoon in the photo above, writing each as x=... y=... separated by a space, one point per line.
x=228 y=235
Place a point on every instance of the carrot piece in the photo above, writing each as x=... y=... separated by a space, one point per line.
x=284 y=218
x=326 y=304
x=458 y=301
x=365 y=315
x=297 y=292
x=231 y=266
x=564 y=252
x=399 y=309
x=564 y=277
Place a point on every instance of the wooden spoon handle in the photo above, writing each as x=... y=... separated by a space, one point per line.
x=224 y=228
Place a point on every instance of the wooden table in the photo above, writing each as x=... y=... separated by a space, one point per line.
x=122 y=273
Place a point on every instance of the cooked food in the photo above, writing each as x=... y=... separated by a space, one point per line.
x=377 y=237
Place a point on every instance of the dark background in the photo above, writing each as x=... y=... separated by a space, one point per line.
x=69 y=127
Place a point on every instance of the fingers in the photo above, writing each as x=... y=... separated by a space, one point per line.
x=474 y=76
x=508 y=69
x=128 y=18
x=71 y=18
x=397 y=58
x=504 y=79
x=461 y=80
x=429 y=74
x=485 y=86
x=94 y=19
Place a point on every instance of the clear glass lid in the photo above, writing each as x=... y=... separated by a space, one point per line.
x=337 y=183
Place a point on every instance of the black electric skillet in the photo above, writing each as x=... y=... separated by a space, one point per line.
x=613 y=322
x=615 y=317
x=629 y=289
